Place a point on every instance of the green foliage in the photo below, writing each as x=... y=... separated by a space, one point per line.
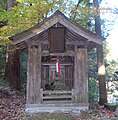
x=3 y=5
x=23 y=70
x=92 y=75
x=93 y=90
x=2 y=65
x=21 y=17
x=50 y=86
x=2 y=82
x=110 y=69
x=92 y=64
x=110 y=64
x=83 y=14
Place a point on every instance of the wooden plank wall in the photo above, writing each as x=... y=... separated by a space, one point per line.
x=57 y=39
x=44 y=75
x=69 y=76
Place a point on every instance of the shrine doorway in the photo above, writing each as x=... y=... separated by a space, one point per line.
x=49 y=75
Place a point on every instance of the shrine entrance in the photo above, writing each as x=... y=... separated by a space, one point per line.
x=51 y=80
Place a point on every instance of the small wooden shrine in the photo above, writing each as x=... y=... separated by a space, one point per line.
x=57 y=37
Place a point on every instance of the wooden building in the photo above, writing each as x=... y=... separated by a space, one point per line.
x=57 y=37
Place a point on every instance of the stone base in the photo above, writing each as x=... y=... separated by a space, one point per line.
x=68 y=108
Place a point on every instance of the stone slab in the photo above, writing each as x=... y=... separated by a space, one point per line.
x=68 y=108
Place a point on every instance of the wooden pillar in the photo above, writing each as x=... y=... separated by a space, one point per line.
x=81 y=76
x=34 y=73
x=101 y=76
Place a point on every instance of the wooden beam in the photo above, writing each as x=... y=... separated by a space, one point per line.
x=75 y=35
x=68 y=53
x=41 y=36
x=75 y=42
x=81 y=76
x=91 y=45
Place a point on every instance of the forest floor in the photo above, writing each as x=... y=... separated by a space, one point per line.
x=12 y=107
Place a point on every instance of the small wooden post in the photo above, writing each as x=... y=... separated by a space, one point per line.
x=41 y=95
x=81 y=76
x=73 y=90
x=101 y=76
x=34 y=73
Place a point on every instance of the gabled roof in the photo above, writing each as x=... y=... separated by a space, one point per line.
x=57 y=17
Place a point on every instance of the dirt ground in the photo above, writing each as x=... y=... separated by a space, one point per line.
x=12 y=107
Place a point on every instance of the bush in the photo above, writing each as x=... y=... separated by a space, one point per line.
x=2 y=65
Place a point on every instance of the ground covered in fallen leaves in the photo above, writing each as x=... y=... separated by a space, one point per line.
x=12 y=104
x=12 y=107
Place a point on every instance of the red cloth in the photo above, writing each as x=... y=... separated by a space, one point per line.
x=58 y=66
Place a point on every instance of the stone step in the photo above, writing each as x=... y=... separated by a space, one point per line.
x=70 y=107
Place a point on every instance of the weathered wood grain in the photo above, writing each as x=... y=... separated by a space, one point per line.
x=34 y=73
x=81 y=76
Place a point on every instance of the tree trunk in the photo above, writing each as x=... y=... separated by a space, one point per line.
x=10 y=3
x=101 y=76
x=12 y=72
x=97 y=18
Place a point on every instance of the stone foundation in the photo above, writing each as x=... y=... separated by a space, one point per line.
x=68 y=108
